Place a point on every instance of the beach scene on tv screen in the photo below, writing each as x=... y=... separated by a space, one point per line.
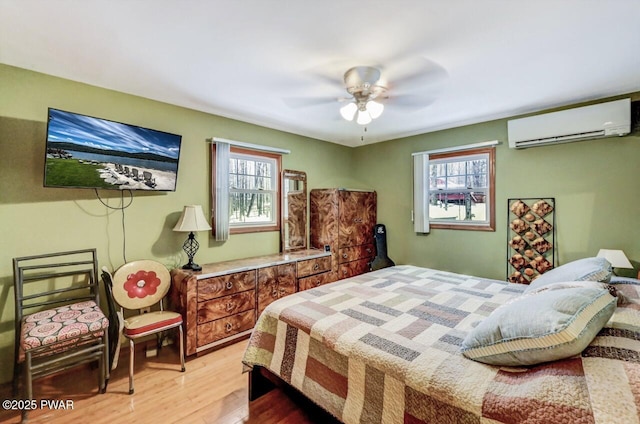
x=83 y=151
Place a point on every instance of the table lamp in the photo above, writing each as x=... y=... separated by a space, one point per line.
x=616 y=258
x=192 y=219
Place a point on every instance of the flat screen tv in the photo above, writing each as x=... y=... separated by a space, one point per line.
x=87 y=152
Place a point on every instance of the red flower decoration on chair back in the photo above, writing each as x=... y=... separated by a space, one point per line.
x=141 y=284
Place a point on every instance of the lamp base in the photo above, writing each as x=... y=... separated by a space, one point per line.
x=192 y=266
x=190 y=247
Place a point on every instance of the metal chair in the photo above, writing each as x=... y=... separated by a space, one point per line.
x=58 y=321
x=116 y=321
x=139 y=285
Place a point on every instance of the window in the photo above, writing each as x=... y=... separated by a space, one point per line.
x=253 y=191
x=245 y=188
x=457 y=190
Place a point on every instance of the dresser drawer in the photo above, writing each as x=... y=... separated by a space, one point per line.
x=226 y=305
x=275 y=282
x=225 y=327
x=210 y=288
x=307 y=283
x=314 y=266
x=348 y=254
x=352 y=268
x=266 y=296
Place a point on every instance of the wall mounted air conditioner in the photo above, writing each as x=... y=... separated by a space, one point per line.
x=582 y=123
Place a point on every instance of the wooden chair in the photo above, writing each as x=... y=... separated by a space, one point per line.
x=58 y=320
x=139 y=285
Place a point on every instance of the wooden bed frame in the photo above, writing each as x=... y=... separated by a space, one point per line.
x=262 y=381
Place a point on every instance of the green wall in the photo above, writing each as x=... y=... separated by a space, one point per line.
x=596 y=185
x=41 y=220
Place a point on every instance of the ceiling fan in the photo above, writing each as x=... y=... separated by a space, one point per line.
x=362 y=83
x=411 y=83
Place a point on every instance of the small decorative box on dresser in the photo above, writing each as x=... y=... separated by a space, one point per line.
x=220 y=304
x=344 y=220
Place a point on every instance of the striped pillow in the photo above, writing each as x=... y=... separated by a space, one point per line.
x=554 y=322
x=586 y=269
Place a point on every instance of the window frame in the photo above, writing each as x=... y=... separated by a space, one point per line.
x=274 y=225
x=489 y=224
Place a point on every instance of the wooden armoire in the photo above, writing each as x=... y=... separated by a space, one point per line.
x=343 y=220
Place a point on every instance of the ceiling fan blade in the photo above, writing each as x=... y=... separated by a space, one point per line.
x=415 y=74
x=333 y=80
x=300 y=102
x=412 y=101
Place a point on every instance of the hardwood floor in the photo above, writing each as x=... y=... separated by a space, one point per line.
x=212 y=390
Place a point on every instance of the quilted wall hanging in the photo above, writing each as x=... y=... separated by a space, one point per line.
x=531 y=233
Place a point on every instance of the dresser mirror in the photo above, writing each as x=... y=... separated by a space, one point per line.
x=294 y=210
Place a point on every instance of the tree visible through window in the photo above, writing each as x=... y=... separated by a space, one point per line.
x=253 y=191
x=460 y=190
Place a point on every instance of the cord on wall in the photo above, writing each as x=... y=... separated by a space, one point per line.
x=122 y=207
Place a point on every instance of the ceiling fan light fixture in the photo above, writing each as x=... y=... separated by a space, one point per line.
x=348 y=111
x=363 y=117
x=361 y=83
x=375 y=109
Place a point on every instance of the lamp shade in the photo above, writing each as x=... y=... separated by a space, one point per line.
x=363 y=117
x=348 y=111
x=192 y=219
x=616 y=258
x=375 y=109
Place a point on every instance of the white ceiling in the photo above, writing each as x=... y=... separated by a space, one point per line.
x=257 y=60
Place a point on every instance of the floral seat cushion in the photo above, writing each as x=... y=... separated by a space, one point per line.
x=62 y=326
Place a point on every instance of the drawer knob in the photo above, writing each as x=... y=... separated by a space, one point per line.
x=317 y=282
x=274 y=294
x=229 y=327
x=316 y=266
x=230 y=306
x=344 y=255
x=229 y=285
x=357 y=220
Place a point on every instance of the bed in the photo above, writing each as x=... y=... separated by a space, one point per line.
x=385 y=347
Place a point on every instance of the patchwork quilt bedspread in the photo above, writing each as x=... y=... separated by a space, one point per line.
x=383 y=347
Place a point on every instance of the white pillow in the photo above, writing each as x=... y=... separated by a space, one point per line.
x=555 y=322
x=587 y=269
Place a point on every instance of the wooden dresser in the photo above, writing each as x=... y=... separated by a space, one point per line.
x=220 y=304
x=344 y=220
